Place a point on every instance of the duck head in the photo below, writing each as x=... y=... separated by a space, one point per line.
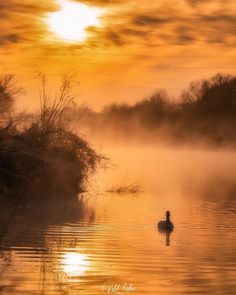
x=168 y=216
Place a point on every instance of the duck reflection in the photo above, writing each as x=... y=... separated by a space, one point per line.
x=167 y=233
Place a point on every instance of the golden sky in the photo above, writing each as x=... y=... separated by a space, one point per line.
x=124 y=52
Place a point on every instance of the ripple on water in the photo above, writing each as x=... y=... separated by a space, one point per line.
x=80 y=256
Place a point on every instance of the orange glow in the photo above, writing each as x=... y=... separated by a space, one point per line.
x=75 y=264
x=72 y=20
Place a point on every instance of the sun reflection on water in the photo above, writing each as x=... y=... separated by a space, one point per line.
x=75 y=264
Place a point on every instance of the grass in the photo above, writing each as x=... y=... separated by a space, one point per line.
x=126 y=189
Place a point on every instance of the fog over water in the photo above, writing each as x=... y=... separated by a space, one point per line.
x=108 y=238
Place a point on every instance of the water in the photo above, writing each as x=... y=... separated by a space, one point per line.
x=105 y=243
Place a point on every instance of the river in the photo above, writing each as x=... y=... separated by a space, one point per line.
x=108 y=243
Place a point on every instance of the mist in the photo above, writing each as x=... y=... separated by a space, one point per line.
x=72 y=221
x=202 y=116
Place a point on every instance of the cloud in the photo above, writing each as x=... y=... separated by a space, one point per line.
x=103 y=2
x=125 y=24
x=218 y=18
x=114 y=37
x=9 y=38
x=21 y=21
x=204 y=2
x=144 y=19
x=179 y=27
x=134 y=32
x=194 y=2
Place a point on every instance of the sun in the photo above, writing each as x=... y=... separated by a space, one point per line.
x=72 y=20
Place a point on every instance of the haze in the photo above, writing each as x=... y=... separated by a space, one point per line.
x=127 y=177
x=139 y=46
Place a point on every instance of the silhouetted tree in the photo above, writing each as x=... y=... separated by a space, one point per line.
x=211 y=98
x=207 y=109
x=8 y=92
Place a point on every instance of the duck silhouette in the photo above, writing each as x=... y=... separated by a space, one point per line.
x=166 y=225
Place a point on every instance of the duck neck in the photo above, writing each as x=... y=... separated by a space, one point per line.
x=167 y=217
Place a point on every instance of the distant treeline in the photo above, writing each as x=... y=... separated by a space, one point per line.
x=203 y=113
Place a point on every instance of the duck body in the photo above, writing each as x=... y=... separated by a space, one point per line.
x=166 y=225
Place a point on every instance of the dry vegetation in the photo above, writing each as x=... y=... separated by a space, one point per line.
x=126 y=189
x=42 y=149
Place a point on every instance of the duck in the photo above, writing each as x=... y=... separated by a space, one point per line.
x=166 y=225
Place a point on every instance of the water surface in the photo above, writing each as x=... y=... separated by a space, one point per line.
x=104 y=243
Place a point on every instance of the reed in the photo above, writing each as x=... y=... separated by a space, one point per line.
x=126 y=189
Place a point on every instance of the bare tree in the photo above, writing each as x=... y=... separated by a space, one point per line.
x=8 y=92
